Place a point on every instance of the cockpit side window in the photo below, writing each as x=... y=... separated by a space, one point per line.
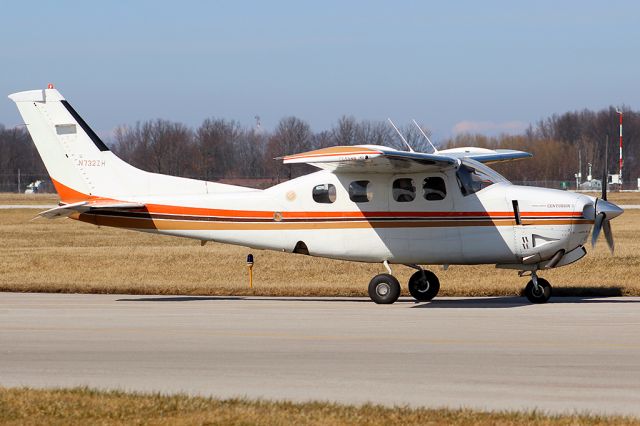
x=359 y=192
x=403 y=190
x=472 y=180
x=434 y=188
x=324 y=193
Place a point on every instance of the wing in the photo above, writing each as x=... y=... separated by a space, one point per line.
x=371 y=159
x=84 y=206
x=484 y=155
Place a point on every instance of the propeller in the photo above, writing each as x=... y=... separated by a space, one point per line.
x=604 y=212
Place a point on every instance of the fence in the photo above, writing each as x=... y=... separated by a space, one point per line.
x=18 y=180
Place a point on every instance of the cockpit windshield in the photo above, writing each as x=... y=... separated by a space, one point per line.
x=474 y=176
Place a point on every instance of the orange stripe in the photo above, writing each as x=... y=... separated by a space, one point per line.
x=262 y=214
x=333 y=151
x=69 y=195
x=198 y=211
x=345 y=154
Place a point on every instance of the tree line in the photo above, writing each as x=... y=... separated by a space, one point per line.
x=225 y=149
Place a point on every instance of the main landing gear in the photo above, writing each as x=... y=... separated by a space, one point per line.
x=385 y=288
x=538 y=290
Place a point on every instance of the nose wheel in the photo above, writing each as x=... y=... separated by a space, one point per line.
x=538 y=290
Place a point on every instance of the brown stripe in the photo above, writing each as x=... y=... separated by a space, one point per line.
x=161 y=224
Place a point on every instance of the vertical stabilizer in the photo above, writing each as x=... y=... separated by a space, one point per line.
x=81 y=166
x=55 y=136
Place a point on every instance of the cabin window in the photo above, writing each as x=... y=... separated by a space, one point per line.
x=325 y=193
x=434 y=189
x=358 y=191
x=404 y=190
x=472 y=180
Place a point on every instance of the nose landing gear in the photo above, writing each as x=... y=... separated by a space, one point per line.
x=538 y=290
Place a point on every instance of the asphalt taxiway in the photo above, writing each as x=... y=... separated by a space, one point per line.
x=573 y=354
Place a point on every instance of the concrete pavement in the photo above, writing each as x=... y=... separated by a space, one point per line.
x=574 y=354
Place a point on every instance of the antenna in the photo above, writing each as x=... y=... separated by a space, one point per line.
x=401 y=137
x=435 y=151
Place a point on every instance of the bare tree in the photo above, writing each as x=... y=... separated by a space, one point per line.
x=215 y=140
x=222 y=148
x=159 y=146
x=373 y=133
x=345 y=131
x=251 y=159
x=291 y=136
x=18 y=155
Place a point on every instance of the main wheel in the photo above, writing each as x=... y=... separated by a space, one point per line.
x=540 y=295
x=384 y=289
x=424 y=285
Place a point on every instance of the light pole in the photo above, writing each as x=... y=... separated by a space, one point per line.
x=620 y=160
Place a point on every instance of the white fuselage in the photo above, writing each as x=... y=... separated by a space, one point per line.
x=482 y=227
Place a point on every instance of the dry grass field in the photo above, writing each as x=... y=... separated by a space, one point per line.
x=11 y=198
x=68 y=256
x=85 y=406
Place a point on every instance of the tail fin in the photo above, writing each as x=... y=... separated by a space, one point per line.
x=81 y=166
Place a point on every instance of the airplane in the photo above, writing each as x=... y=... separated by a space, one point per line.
x=367 y=203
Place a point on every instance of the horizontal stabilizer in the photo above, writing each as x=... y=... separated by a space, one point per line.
x=84 y=206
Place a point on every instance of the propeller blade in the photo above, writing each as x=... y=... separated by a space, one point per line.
x=606 y=226
x=597 y=227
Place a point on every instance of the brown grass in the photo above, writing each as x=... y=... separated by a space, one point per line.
x=11 y=198
x=85 y=406
x=619 y=197
x=68 y=256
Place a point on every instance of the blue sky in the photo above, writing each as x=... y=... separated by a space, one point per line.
x=485 y=66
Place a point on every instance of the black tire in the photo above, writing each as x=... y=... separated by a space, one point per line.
x=541 y=296
x=384 y=289
x=424 y=285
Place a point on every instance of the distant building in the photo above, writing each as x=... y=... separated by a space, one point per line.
x=591 y=185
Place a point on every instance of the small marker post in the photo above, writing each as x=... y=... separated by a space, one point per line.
x=250 y=266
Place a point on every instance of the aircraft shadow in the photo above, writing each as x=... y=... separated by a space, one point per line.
x=474 y=302
x=252 y=298
x=500 y=302
x=179 y=298
x=512 y=302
